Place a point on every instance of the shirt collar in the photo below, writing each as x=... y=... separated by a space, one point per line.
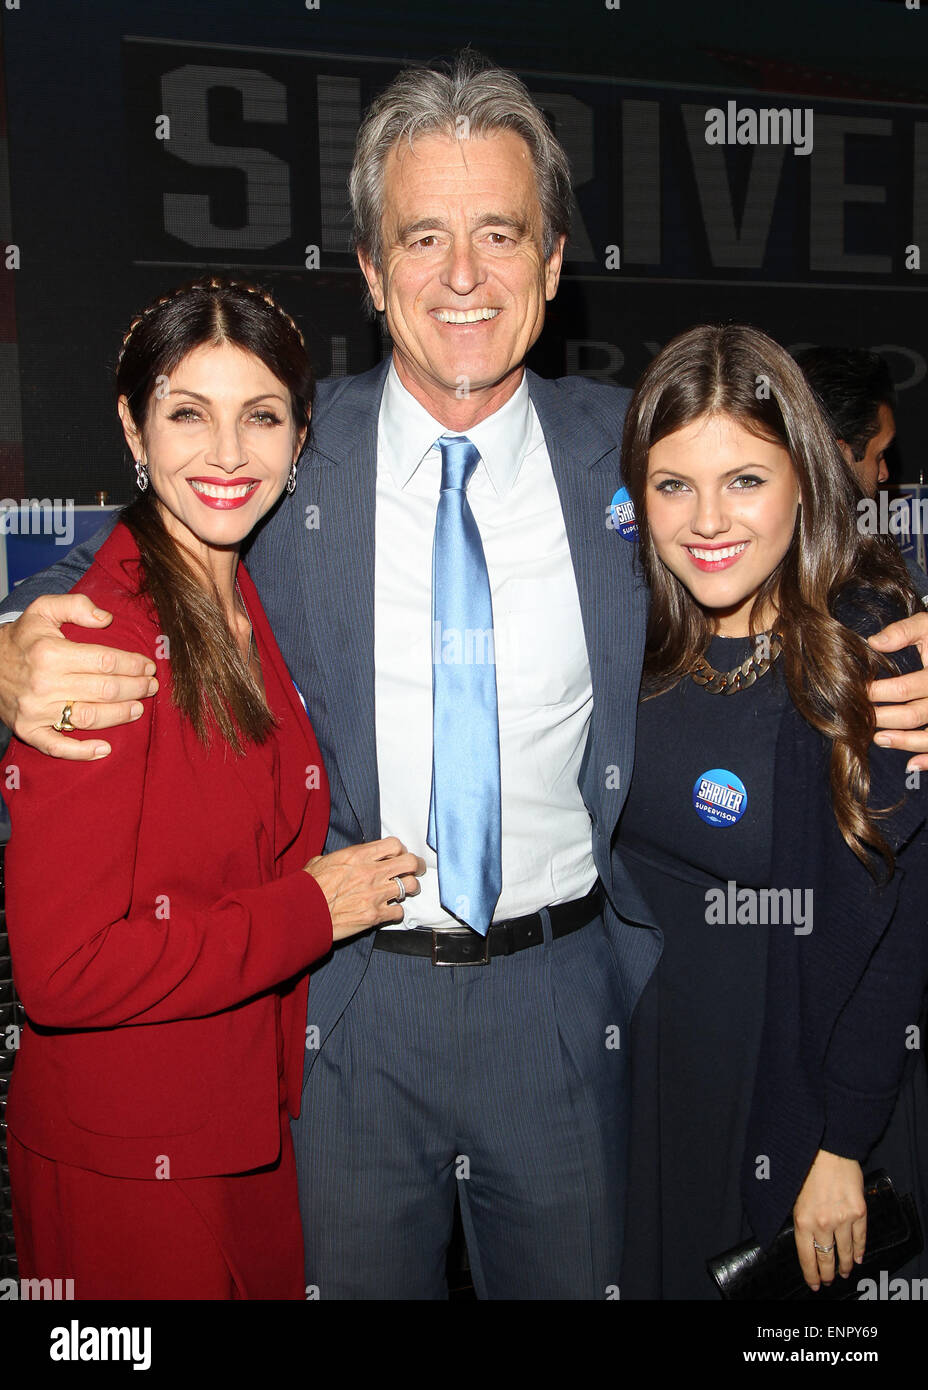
x=407 y=432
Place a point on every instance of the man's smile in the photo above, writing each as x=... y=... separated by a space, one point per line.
x=464 y=315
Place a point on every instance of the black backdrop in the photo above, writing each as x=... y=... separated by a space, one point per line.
x=263 y=101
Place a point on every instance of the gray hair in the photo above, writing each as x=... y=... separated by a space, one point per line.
x=474 y=98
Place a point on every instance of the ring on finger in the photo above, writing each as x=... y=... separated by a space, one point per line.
x=401 y=894
x=64 y=725
x=823 y=1249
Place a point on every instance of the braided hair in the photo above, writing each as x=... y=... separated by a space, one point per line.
x=164 y=331
x=209 y=682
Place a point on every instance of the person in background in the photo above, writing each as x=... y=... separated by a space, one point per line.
x=859 y=399
x=162 y=962
x=782 y=854
x=857 y=394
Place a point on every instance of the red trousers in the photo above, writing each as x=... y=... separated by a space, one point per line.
x=228 y=1237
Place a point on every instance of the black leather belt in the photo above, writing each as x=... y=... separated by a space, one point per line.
x=463 y=946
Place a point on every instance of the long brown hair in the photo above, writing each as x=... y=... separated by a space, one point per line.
x=210 y=684
x=737 y=371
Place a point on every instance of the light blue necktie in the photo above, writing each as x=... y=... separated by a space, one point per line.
x=464 y=813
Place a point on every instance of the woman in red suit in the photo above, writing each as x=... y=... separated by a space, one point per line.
x=165 y=902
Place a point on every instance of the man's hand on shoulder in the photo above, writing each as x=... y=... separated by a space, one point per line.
x=902 y=701
x=41 y=672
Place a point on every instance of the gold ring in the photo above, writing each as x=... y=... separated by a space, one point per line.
x=64 y=725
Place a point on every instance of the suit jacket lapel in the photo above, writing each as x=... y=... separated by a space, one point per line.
x=585 y=458
x=338 y=570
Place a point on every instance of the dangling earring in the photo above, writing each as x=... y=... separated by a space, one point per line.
x=141 y=475
x=291 y=481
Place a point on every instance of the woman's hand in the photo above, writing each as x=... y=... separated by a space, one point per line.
x=359 y=883
x=831 y=1211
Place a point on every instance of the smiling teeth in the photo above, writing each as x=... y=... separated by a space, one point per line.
x=723 y=554
x=218 y=490
x=464 y=315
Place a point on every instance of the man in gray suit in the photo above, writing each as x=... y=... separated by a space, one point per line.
x=467 y=630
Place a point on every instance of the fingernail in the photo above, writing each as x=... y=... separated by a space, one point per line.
x=101 y=750
x=883 y=740
x=135 y=711
x=150 y=668
x=99 y=613
x=153 y=687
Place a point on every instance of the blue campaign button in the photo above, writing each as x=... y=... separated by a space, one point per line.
x=719 y=797
x=623 y=515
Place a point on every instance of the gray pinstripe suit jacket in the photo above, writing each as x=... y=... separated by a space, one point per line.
x=318 y=588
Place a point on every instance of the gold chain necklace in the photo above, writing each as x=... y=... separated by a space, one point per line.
x=767 y=647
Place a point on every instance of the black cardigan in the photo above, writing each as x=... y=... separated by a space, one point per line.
x=839 y=1000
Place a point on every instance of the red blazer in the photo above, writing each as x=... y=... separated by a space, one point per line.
x=160 y=922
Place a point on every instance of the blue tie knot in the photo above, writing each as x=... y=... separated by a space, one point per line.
x=459 y=458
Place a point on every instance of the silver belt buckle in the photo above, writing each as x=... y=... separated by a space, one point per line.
x=438 y=932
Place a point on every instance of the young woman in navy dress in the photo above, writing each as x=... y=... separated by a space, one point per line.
x=776 y=1050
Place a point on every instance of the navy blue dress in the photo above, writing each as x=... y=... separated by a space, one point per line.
x=695 y=832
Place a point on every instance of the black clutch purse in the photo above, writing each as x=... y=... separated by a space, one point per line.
x=894 y=1235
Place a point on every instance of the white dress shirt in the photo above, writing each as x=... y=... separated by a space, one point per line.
x=544 y=692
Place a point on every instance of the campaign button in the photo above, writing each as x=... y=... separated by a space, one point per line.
x=719 y=797
x=623 y=515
